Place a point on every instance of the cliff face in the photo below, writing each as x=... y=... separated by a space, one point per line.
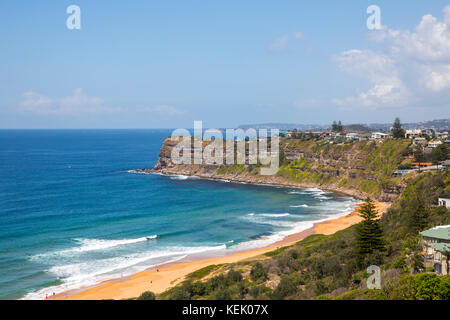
x=359 y=169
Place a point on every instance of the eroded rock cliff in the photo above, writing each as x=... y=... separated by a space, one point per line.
x=360 y=169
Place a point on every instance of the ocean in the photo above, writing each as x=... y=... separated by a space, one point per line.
x=73 y=213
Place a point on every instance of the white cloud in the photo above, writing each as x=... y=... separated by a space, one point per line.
x=79 y=104
x=281 y=43
x=407 y=68
x=387 y=87
x=35 y=101
x=436 y=78
x=298 y=35
x=162 y=110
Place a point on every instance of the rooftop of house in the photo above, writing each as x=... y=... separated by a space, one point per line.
x=440 y=232
x=441 y=247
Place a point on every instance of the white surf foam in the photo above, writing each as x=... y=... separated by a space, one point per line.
x=138 y=172
x=269 y=218
x=179 y=177
x=311 y=191
x=296 y=227
x=275 y=215
x=86 y=245
x=77 y=275
x=297 y=192
x=300 y=206
x=334 y=211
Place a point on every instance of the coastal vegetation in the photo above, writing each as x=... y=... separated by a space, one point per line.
x=397 y=131
x=334 y=266
x=366 y=166
x=369 y=233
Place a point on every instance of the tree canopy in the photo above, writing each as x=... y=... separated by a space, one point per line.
x=440 y=153
x=369 y=236
x=337 y=127
x=397 y=130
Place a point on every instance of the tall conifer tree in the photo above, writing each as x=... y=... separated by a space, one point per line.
x=397 y=130
x=369 y=237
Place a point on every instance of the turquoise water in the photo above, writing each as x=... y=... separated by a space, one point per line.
x=72 y=213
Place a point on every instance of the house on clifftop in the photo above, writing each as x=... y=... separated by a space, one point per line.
x=436 y=247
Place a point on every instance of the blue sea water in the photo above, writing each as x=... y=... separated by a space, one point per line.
x=72 y=213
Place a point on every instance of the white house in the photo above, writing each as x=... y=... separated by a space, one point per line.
x=352 y=136
x=444 y=202
x=442 y=135
x=412 y=133
x=434 y=144
x=419 y=141
x=379 y=135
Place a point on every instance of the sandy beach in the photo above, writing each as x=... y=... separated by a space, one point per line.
x=161 y=278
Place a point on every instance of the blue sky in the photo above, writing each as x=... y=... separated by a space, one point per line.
x=155 y=64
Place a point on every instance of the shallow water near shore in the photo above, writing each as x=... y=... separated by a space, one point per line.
x=73 y=214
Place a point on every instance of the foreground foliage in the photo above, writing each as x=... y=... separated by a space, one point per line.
x=332 y=267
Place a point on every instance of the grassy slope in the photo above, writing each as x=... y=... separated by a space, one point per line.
x=363 y=165
x=371 y=164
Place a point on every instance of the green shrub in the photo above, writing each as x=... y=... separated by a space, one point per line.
x=285 y=288
x=429 y=286
x=223 y=294
x=181 y=293
x=147 y=295
x=257 y=273
x=399 y=264
x=258 y=291
x=234 y=276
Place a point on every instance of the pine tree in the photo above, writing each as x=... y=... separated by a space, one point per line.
x=440 y=153
x=417 y=215
x=340 y=128
x=369 y=236
x=334 y=126
x=419 y=156
x=397 y=130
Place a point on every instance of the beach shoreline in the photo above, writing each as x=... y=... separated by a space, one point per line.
x=274 y=181
x=162 y=277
